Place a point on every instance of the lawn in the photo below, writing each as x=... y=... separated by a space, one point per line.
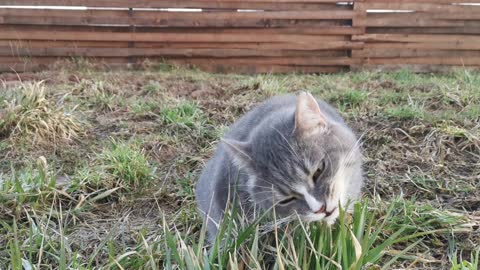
x=98 y=170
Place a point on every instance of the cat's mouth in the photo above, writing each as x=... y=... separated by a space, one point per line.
x=319 y=215
x=323 y=210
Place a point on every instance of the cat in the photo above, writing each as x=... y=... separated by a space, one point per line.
x=293 y=153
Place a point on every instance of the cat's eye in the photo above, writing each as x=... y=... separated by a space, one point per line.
x=319 y=171
x=287 y=201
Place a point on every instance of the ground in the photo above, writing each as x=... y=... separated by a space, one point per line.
x=97 y=167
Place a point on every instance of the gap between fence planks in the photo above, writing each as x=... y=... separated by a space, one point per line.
x=293 y=46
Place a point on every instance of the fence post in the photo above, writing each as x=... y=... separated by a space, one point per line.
x=358 y=22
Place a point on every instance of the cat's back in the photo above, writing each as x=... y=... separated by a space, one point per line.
x=265 y=112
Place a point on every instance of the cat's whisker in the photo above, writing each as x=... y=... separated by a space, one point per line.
x=288 y=144
x=355 y=147
x=249 y=185
x=288 y=185
x=327 y=155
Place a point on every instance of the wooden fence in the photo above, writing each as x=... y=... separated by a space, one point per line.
x=243 y=35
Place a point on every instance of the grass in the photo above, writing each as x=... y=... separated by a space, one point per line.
x=32 y=114
x=98 y=169
x=126 y=165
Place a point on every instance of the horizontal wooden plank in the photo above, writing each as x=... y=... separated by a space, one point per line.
x=160 y=3
x=331 y=30
x=55 y=44
x=422 y=1
x=425 y=30
x=382 y=53
x=395 y=20
x=162 y=37
x=431 y=7
x=328 y=45
x=456 y=61
x=221 y=5
x=315 y=29
x=433 y=45
x=177 y=22
x=163 y=19
x=14 y=64
x=470 y=15
x=157 y=17
x=168 y=52
x=287 y=61
x=417 y=38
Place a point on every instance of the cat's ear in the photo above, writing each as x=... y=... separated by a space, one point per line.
x=309 y=119
x=239 y=151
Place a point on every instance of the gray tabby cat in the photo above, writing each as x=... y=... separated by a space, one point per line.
x=292 y=152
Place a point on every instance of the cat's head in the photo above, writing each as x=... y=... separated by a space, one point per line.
x=303 y=162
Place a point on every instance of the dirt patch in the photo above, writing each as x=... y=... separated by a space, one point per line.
x=160 y=151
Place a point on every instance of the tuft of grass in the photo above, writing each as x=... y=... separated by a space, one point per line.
x=354 y=242
x=185 y=114
x=153 y=87
x=97 y=94
x=419 y=218
x=30 y=185
x=405 y=112
x=144 y=108
x=392 y=98
x=461 y=264
x=404 y=76
x=125 y=165
x=31 y=114
x=349 y=99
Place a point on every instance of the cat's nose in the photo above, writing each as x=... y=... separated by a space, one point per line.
x=321 y=210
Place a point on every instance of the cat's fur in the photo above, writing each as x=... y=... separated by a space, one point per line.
x=271 y=156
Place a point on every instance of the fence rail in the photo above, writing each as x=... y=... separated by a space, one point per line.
x=243 y=35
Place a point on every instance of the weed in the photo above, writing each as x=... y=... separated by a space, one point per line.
x=126 y=166
x=153 y=87
x=351 y=98
x=404 y=76
x=473 y=264
x=405 y=112
x=144 y=108
x=185 y=114
x=32 y=115
x=272 y=85
x=30 y=185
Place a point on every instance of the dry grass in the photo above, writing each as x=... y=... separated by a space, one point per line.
x=28 y=112
x=109 y=197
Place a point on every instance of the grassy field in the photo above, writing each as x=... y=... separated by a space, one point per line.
x=97 y=170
